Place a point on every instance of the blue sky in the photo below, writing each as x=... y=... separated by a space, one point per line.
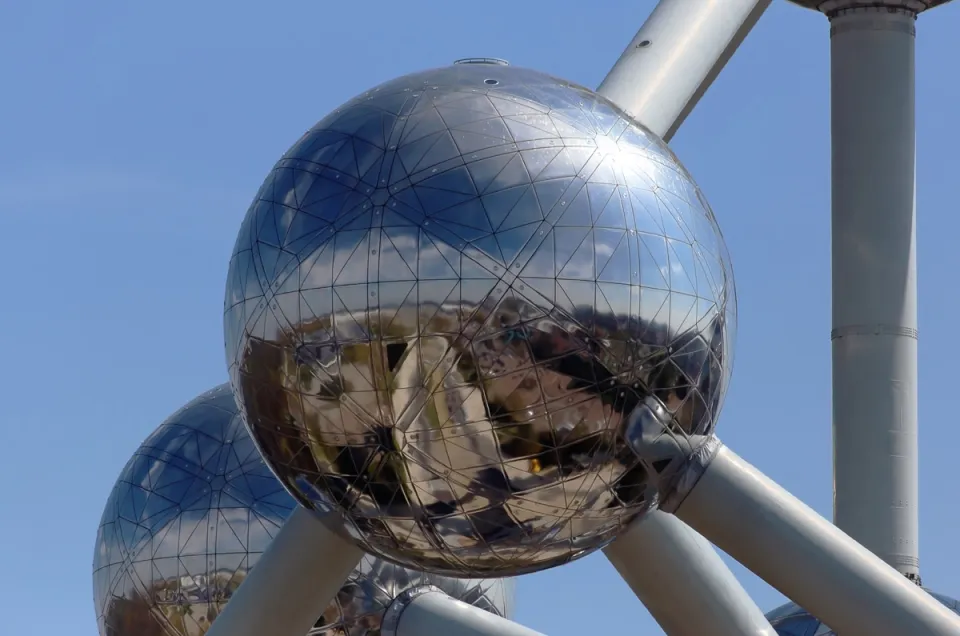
x=134 y=135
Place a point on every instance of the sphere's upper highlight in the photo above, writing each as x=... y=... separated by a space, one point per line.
x=190 y=515
x=482 y=313
x=792 y=620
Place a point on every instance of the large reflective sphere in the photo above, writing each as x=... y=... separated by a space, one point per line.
x=189 y=516
x=472 y=309
x=792 y=620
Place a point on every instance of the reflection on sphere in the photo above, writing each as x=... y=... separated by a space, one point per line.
x=792 y=620
x=471 y=309
x=190 y=515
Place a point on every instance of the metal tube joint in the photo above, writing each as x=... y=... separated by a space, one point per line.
x=391 y=617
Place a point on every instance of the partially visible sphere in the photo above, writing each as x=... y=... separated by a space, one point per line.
x=792 y=620
x=473 y=309
x=190 y=515
x=907 y=6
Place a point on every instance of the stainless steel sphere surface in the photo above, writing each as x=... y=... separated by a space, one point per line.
x=190 y=515
x=477 y=309
x=792 y=620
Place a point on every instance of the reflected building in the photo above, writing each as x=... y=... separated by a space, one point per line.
x=189 y=516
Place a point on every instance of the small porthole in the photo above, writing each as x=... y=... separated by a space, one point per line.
x=491 y=82
x=643 y=44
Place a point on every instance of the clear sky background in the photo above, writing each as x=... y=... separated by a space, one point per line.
x=134 y=135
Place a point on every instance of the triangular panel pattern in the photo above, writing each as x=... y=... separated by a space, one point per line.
x=477 y=308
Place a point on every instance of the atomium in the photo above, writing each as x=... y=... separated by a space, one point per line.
x=190 y=515
x=792 y=620
x=483 y=314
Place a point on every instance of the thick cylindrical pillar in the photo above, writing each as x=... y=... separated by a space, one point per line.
x=294 y=581
x=675 y=56
x=875 y=282
x=682 y=581
x=427 y=611
x=807 y=558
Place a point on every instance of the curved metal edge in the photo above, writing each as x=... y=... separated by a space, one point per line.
x=691 y=473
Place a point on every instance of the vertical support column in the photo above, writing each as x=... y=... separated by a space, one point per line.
x=875 y=282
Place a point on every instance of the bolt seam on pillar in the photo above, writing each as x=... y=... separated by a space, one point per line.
x=873 y=330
